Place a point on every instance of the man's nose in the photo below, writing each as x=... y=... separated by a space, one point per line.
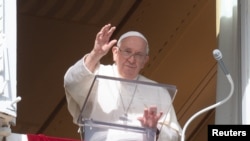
x=132 y=58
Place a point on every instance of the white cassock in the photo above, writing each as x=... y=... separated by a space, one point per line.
x=112 y=99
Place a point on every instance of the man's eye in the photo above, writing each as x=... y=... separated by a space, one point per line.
x=139 y=54
x=128 y=52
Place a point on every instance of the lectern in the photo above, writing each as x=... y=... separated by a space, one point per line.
x=112 y=106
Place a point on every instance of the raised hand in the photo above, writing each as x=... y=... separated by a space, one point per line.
x=101 y=47
x=102 y=42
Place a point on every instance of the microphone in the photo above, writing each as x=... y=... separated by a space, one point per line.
x=218 y=56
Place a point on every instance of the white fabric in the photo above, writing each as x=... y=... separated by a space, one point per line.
x=17 y=137
x=131 y=33
x=77 y=82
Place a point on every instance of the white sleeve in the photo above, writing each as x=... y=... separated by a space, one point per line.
x=77 y=82
x=168 y=135
x=171 y=130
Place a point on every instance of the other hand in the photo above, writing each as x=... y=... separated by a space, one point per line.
x=150 y=117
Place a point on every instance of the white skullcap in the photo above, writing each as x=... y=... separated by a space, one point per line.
x=132 y=33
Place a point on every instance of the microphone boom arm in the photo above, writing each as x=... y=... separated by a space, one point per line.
x=209 y=107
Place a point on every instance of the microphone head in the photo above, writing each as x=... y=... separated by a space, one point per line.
x=217 y=54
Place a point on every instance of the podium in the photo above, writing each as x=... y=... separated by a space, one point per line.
x=112 y=106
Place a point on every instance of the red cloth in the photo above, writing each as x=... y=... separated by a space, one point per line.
x=41 y=137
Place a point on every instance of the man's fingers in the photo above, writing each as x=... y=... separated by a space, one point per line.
x=152 y=110
x=110 y=31
x=159 y=115
x=112 y=43
x=107 y=31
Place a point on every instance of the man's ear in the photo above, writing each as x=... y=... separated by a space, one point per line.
x=145 y=61
x=115 y=52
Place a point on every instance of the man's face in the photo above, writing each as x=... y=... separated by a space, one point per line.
x=130 y=57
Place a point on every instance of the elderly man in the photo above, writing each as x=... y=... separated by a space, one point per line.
x=130 y=54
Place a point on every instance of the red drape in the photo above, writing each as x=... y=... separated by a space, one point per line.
x=41 y=137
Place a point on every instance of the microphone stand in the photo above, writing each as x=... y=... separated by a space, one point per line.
x=209 y=108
